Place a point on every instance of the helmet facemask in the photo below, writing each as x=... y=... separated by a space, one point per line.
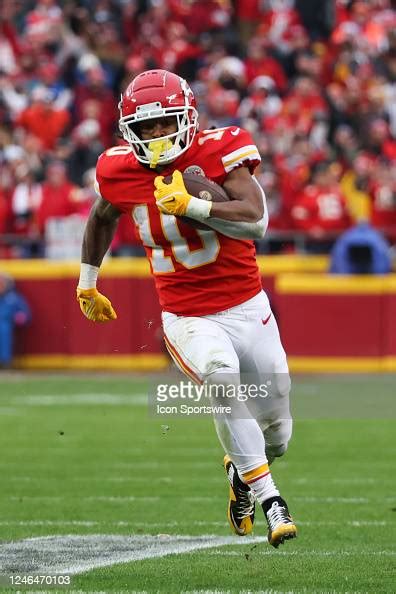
x=165 y=149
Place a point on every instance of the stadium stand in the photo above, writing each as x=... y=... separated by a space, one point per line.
x=314 y=82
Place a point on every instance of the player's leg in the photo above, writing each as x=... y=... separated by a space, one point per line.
x=199 y=347
x=204 y=352
x=266 y=361
x=255 y=337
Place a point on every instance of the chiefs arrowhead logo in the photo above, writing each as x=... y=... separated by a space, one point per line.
x=195 y=169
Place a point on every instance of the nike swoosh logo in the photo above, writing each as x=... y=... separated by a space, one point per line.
x=264 y=322
x=235 y=132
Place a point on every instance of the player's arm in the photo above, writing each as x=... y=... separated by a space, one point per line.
x=99 y=232
x=246 y=199
x=245 y=216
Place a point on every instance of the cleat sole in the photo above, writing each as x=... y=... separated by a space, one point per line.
x=284 y=533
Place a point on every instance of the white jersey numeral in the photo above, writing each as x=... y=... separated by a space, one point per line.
x=330 y=207
x=216 y=134
x=180 y=249
x=118 y=150
x=159 y=262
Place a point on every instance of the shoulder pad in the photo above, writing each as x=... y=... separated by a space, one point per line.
x=115 y=162
x=235 y=146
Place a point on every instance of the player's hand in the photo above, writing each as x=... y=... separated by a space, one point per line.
x=95 y=306
x=172 y=198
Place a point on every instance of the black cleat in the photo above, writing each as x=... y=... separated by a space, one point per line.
x=241 y=503
x=280 y=524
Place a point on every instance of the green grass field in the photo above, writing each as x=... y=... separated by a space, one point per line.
x=80 y=455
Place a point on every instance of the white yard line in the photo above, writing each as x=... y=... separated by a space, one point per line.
x=334 y=480
x=120 y=466
x=87 y=523
x=10 y=410
x=168 y=479
x=290 y=553
x=174 y=463
x=352 y=523
x=353 y=500
x=175 y=524
x=132 y=399
x=192 y=499
x=110 y=498
x=72 y=554
x=89 y=479
x=103 y=498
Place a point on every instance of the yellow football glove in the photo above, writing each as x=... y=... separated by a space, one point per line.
x=95 y=306
x=172 y=198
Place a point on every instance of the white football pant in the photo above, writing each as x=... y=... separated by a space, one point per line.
x=222 y=348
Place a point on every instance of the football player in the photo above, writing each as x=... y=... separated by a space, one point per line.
x=216 y=318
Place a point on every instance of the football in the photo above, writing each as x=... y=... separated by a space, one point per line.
x=201 y=187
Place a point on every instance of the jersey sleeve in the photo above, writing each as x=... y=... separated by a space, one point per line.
x=113 y=177
x=239 y=150
x=221 y=150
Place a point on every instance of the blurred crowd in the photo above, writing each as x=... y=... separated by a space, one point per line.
x=314 y=81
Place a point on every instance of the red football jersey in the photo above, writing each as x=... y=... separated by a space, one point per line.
x=197 y=272
x=383 y=213
x=320 y=209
